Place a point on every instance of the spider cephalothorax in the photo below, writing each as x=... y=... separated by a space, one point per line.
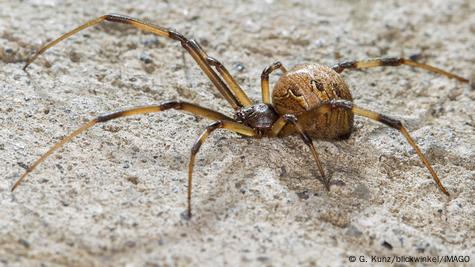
x=260 y=117
x=309 y=100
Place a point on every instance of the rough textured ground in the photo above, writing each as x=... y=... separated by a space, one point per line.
x=113 y=197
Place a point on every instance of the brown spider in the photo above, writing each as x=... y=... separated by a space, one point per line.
x=310 y=100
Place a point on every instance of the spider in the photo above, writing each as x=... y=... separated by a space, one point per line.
x=310 y=100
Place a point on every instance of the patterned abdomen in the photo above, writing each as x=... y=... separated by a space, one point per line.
x=305 y=87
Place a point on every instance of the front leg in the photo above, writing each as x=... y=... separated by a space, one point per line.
x=289 y=118
x=191 y=46
x=177 y=105
x=228 y=125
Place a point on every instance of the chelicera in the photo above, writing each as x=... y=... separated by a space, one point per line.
x=309 y=100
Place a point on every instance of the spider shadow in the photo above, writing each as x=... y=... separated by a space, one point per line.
x=302 y=176
x=298 y=173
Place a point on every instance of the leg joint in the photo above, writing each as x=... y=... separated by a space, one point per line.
x=177 y=36
x=266 y=72
x=306 y=139
x=109 y=117
x=271 y=68
x=214 y=62
x=341 y=104
x=290 y=118
x=196 y=148
x=344 y=65
x=393 y=123
x=215 y=125
x=392 y=61
x=276 y=65
x=171 y=105
x=209 y=129
x=117 y=18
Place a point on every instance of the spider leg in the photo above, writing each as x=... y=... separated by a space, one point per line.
x=189 y=107
x=234 y=86
x=393 y=61
x=265 y=80
x=289 y=118
x=393 y=123
x=228 y=125
x=190 y=46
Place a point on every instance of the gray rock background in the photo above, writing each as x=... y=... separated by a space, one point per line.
x=113 y=196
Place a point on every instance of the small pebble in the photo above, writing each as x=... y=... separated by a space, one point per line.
x=387 y=245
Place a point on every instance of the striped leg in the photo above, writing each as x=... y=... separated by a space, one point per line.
x=191 y=46
x=393 y=123
x=393 y=61
x=224 y=124
x=192 y=108
x=265 y=80
x=288 y=118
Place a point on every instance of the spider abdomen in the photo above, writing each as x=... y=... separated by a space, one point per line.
x=304 y=88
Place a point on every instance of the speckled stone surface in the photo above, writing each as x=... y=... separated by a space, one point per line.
x=114 y=196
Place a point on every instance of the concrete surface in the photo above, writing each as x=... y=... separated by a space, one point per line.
x=115 y=195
